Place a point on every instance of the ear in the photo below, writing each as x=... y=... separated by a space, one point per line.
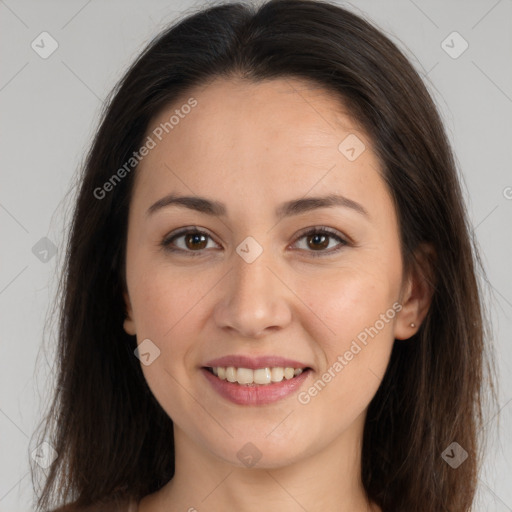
x=417 y=291
x=129 y=323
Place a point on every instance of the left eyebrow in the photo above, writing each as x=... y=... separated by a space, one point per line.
x=287 y=209
x=196 y=203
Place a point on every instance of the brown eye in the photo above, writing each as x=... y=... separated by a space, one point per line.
x=318 y=241
x=195 y=241
x=191 y=241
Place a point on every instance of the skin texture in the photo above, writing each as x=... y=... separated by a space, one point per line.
x=254 y=146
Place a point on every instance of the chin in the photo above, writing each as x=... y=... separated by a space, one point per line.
x=260 y=451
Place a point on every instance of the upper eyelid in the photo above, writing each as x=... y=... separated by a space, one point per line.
x=343 y=239
x=185 y=231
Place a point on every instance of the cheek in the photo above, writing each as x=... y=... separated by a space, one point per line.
x=166 y=299
x=167 y=308
x=353 y=324
x=349 y=300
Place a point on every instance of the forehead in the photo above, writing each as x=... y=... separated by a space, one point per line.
x=285 y=110
x=281 y=137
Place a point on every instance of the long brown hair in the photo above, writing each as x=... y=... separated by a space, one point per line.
x=113 y=439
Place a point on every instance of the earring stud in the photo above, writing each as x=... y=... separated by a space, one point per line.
x=413 y=324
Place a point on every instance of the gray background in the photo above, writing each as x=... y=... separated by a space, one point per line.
x=50 y=109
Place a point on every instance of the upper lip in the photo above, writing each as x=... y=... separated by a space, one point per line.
x=240 y=361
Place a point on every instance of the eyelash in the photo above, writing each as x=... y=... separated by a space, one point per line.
x=166 y=242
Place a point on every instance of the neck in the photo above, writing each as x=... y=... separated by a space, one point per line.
x=325 y=481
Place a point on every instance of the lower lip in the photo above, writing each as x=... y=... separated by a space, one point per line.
x=258 y=394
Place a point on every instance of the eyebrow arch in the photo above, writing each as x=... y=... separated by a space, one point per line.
x=287 y=209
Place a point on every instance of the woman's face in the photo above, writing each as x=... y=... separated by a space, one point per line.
x=260 y=280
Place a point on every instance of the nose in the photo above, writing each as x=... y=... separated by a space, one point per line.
x=255 y=300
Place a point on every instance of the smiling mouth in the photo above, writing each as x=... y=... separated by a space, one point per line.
x=256 y=377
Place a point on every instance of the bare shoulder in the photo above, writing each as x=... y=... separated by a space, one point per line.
x=99 y=507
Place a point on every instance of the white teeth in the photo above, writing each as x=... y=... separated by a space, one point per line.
x=277 y=374
x=288 y=373
x=260 y=376
x=244 y=376
x=231 y=374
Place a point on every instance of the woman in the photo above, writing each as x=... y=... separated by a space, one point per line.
x=270 y=294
